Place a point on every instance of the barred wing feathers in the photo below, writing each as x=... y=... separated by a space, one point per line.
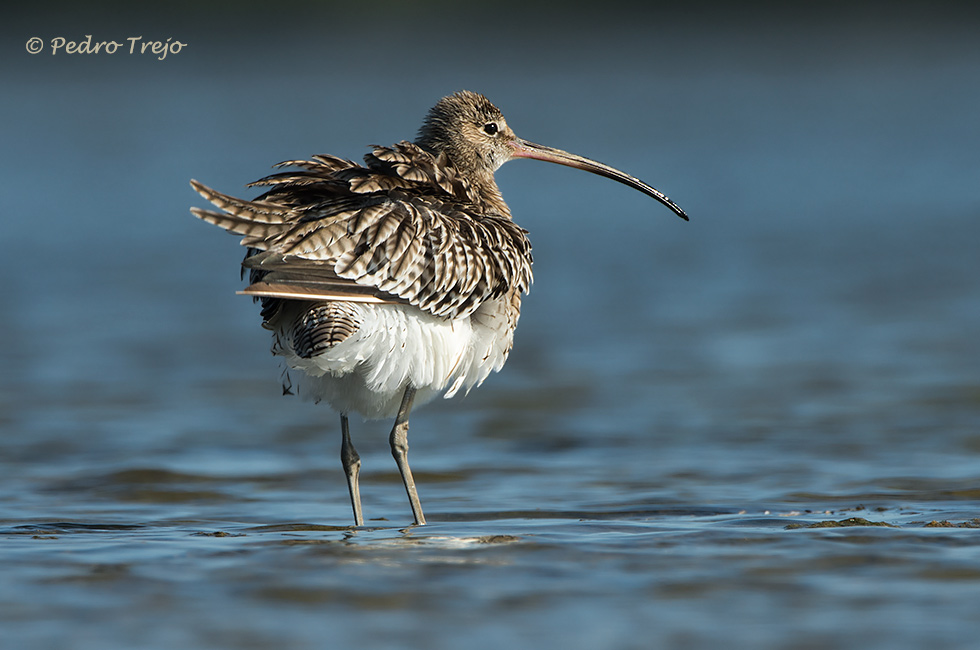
x=406 y=228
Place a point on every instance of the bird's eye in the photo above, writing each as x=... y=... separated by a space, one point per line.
x=490 y=128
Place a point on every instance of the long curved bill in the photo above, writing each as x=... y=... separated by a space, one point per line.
x=525 y=149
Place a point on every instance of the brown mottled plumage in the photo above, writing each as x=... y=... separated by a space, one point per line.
x=404 y=226
x=399 y=277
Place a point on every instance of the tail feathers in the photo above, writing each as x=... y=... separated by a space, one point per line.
x=253 y=233
x=254 y=211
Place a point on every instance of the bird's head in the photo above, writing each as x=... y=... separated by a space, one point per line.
x=474 y=136
x=470 y=130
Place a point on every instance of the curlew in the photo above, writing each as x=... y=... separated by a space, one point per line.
x=390 y=283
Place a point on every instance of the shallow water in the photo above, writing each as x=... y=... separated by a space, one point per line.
x=684 y=400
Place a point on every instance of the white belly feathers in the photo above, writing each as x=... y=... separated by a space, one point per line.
x=397 y=345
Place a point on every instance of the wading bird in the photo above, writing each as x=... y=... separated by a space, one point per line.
x=390 y=283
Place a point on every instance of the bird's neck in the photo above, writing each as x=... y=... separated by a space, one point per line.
x=489 y=197
x=482 y=187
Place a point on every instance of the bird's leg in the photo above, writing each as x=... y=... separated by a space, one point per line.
x=352 y=467
x=399 y=449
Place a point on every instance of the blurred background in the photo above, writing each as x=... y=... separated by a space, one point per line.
x=808 y=343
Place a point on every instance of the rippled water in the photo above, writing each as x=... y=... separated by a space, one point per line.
x=757 y=429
